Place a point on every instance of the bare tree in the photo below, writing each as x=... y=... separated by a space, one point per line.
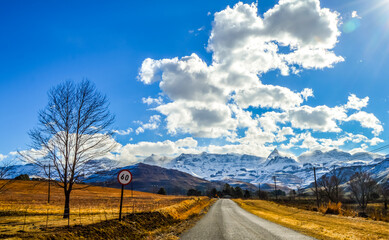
x=330 y=185
x=5 y=167
x=72 y=131
x=384 y=190
x=362 y=185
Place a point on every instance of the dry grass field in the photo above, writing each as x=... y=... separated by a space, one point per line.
x=317 y=224
x=24 y=207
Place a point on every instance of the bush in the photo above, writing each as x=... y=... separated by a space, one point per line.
x=193 y=192
x=331 y=208
x=162 y=191
x=23 y=177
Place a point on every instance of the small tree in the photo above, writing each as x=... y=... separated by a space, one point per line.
x=228 y=190
x=238 y=192
x=330 y=185
x=5 y=168
x=72 y=131
x=247 y=194
x=162 y=191
x=193 y=192
x=23 y=177
x=362 y=186
x=384 y=190
x=292 y=194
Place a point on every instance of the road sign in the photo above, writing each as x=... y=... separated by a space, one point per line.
x=124 y=177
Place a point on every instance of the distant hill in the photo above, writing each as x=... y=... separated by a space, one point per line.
x=150 y=178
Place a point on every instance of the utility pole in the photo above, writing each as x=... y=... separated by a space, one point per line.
x=48 y=192
x=317 y=193
x=275 y=187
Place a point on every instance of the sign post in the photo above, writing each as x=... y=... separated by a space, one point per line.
x=124 y=178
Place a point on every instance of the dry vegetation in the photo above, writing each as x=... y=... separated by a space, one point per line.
x=24 y=208
x=316 y=224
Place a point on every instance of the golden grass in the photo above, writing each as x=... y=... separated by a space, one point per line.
x=24 y=207
x=187 y=208
x=316 y=224
x=164 y=223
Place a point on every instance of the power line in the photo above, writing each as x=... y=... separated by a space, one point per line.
x=380 y=149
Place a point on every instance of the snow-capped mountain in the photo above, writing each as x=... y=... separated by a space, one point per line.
x=278 y=162
x=215 y=167
x=289 y=172
x=238 y=169
x=157 y=160
x=89 y=168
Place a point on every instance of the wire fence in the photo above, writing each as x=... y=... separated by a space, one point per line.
x=33 y=218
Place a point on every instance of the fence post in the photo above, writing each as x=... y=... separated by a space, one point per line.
x=90 y=211
x=25 y=216
x=79 y=214
x=47 y=218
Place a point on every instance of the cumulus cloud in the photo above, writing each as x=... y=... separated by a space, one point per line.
x=2 y=157
x=268 y=96
x=137 y=152
x=213 y=100
x=354 y=14
x=356 y=103
x=198 y=118
x=153 y=124
x=150 y=100
x=367 y=120
x=320 y=118
x=243 y=45
x=123 y=132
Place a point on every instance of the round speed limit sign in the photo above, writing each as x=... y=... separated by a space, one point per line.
x=124 y=177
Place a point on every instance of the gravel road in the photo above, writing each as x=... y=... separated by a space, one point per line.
x=226 y=220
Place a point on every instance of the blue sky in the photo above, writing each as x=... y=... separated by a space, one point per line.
x=45 y=42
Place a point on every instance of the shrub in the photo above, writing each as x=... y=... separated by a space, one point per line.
x=23 y=177
x=331 y=208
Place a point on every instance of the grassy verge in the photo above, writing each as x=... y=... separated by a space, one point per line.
x=316 y=224
x=164 y=223
x=24 y=207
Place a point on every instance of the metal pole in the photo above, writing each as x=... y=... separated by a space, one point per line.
x=317 y=193
x=133 y=200
x=121 y=203
x=48 y=193
x=275 y=187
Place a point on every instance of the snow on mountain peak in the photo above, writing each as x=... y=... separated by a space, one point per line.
x=273 y=154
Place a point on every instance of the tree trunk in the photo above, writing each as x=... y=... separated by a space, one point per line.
x=66 y=209
x=386 y=204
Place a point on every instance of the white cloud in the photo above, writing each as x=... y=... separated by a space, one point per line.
x=268 y=96
x=212 y=100
x=367 y=120
x=198 y=118
x=2 y=157
x=354 y=14
x=313 y=58
x=150 y=100
x=320 y=118
x=123 y=132
x=137 y=152
x=356 y=103
x=153 y=124
x=306 y=93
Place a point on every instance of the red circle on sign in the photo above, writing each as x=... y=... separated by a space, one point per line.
x=124 y=170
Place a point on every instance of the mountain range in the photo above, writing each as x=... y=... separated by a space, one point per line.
x=206 y=170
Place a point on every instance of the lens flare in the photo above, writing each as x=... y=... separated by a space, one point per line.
x=351 y=25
